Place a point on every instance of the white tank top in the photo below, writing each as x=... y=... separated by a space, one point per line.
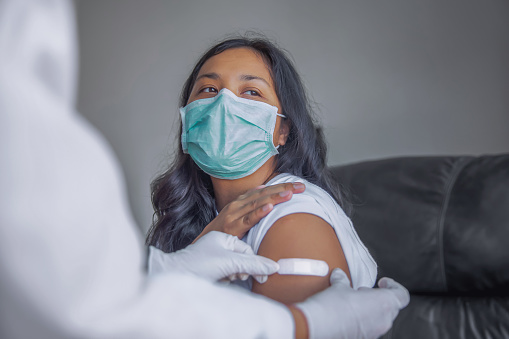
x=314 y=200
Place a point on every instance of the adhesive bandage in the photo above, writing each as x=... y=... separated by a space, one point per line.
x=298 y=266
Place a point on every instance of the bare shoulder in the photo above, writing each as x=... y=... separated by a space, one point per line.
x=299 y=235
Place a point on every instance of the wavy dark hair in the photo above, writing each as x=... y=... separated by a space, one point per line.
x=183 y=196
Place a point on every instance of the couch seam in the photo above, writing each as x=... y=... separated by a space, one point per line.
x=458 y=167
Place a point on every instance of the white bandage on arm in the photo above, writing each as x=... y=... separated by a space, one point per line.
x=300 y=266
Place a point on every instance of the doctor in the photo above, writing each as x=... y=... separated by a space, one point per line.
x=71 y=262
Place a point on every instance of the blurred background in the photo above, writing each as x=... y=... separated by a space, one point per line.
x=389 y=78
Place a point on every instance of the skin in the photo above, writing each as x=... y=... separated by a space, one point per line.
x=299 y=235
x=245 y=73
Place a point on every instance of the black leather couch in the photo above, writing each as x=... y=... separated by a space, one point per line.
x=439 y=226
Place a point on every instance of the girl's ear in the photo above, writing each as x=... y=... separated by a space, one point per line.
x=284 y=131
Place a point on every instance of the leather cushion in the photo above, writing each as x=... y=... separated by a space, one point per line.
x=435 y=224
x=452 y=318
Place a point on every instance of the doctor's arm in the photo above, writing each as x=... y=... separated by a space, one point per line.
x=71 y=257
x=71 y=260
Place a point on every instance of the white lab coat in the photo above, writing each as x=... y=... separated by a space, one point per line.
x=70 y=257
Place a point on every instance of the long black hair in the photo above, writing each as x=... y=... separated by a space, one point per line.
x=183 y=197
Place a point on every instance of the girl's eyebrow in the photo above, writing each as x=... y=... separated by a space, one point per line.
x=243 y=77
x=213 y=76
x=247 y=77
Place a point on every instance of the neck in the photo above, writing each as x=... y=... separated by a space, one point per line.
x=225 y=191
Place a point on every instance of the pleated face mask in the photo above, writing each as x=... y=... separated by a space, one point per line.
x=228 y=137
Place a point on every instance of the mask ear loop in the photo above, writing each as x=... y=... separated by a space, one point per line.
x=284 y=117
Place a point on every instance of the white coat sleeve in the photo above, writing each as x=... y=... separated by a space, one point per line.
x=71 y=261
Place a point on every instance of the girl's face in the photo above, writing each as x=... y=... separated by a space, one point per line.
x=244 y=72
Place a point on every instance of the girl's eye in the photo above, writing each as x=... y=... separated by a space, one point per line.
x=252 y=92
x=208 y=90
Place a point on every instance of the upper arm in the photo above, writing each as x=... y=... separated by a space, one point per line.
x=299 y=235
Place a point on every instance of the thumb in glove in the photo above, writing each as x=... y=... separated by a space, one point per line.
x=214 y=256
x=342 y=312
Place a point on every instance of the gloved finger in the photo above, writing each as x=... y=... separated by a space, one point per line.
x=225 y=241
x=238 y=276
x=226 y=281
x=253 y=265
x=219 y=239
x=241 y=247
x=339 y=278
x=399 y=291
x=155 y=260
x=260 y=278
x=244 y=276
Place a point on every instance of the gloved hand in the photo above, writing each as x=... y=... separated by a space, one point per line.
x=214 y=256
x=340 y=312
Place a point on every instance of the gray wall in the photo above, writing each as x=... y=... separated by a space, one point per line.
x=390 y=78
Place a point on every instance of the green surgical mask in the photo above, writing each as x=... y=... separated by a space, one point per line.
x=228 y=137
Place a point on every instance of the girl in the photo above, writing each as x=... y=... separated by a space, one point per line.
x=247 y=124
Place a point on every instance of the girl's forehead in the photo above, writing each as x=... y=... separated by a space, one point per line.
x=241 y=60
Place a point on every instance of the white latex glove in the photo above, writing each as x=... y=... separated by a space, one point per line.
x=214 y=256
x=340 y=312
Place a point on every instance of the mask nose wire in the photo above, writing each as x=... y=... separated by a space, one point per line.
x=226 y=91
